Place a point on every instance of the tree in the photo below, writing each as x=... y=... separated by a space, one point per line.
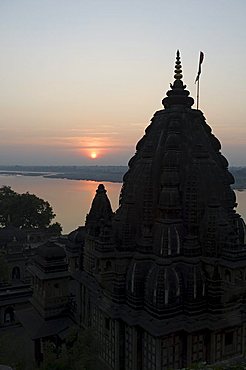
x=54 y=360
x=79 y=352
x=24 y=210
x=11 y=351
x=82 y=354
x=55 y=228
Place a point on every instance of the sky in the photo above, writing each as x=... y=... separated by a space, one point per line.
x=82 y=78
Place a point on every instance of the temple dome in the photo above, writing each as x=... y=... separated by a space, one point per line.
x=168 y=238
x=194 y=285
x=162 y=287
x=135 y=281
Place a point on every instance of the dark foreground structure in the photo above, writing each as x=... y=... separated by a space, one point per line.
x=163 y=280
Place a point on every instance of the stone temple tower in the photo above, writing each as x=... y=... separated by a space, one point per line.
x=164 y=277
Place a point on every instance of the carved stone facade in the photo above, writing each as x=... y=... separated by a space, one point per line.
x=163 y=280
x=47 y=319
x=50 y=279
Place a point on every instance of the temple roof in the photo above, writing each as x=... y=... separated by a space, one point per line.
x=51 y=251
x=177 y=174
x=176 y=215
x=38 y=327
x=51 y=259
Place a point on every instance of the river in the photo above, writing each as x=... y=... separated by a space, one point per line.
x=71 y=199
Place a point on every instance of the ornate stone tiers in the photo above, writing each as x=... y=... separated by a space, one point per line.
x=166 y=274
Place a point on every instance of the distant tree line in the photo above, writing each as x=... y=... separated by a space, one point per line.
x=239 y=174
x=97 y=173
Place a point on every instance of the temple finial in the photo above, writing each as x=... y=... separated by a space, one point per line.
x=178 y=68
x=178 y=95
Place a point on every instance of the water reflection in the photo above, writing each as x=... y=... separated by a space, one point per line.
x=71 y=199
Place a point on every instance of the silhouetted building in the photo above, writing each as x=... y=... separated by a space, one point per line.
x=48 y=317
x=17 y=249
x=163 y=281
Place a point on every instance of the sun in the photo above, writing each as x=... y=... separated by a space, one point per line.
x=93 y=155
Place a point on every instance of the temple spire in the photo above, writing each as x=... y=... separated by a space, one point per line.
x=178 y=95
x=178 y=67
x=100 y=212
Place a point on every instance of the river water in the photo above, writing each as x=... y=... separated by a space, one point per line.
x=71 y=199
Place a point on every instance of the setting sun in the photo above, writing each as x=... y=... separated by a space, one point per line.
x=93 y=155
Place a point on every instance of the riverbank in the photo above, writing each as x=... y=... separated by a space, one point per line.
x=89 y=173
x=97 y=173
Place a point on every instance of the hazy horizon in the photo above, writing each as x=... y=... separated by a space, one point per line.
x=79 y=165
x=80 y=80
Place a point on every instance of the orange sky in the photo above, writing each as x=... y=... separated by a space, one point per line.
x=86 y=77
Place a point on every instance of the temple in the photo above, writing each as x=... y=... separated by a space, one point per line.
x=162 y=281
